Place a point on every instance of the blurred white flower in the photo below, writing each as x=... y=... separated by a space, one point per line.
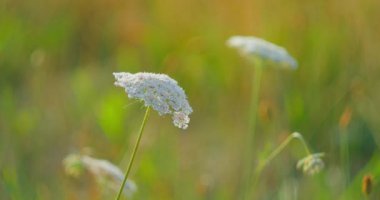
x=103 y=171
x=311 y=164
x=252 y=47
x=158 y=91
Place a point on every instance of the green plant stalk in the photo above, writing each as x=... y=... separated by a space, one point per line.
x=277 y=151
x=344 y=155
x=252 y=125
x=134 y=152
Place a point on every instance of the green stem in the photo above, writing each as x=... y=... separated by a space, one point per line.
x=134 y=152
x=299 y=136
x=252 y=125
x=344 y=155
x=277 y=151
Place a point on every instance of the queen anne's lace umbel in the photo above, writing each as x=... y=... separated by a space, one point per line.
x=103 y=170
x=311 y=164
x=158 y=91
x=250 y=46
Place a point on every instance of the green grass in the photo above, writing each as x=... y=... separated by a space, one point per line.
x=57 y=95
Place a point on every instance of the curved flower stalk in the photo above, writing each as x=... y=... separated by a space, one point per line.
x=159 y=92
x=103 y=171
x=258 y=52
x=310 y=165
x=257 y=48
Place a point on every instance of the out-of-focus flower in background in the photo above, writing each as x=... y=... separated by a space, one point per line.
x=311 y=164
x=257 y=48
x=104 y=172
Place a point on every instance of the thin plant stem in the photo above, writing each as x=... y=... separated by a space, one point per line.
x=299 y=136
x=344 y=155
x=252 y=124
x=277 y=151
x=134 y=152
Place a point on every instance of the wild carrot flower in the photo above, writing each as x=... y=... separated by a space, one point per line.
x=103 y=171
x=158 y=91
x=311 y=164
x=258 y=52
x=253 y=47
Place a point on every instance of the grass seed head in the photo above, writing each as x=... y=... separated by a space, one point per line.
x=367 y=184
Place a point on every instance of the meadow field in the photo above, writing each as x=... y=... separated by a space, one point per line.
x=57 y=97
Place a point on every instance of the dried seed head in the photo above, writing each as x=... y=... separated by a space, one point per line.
x=345 y=118
x=103 y=171
x=311 y=164
x=367 y=185
x=158 y=91
x=252 y=47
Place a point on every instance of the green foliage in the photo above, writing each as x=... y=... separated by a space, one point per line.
x=57 y=94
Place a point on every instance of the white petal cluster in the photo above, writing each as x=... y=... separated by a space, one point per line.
x=311 y=164
x=158 y=91
x=103 y=170
x=250 y=46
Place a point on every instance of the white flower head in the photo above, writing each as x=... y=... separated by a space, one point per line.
x=103 y=170
x=158 y=91
x=253 y=47
x=311 y=164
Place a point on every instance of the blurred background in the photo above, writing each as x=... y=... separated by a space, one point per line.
x=57 y=95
